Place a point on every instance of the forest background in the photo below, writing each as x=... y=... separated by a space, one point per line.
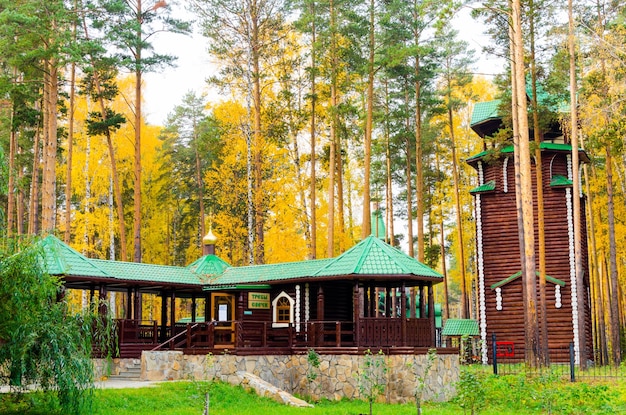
x=329 y=111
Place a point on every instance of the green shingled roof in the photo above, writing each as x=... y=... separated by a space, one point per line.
x=485 y=111
x=560 y=181
x=60 y=259
x=134 y=271
x=460 y=327
x=487 y=187
x=518 y=274
x=545 y=145
x=254 y=274
x=372 y=256
x=208 y=265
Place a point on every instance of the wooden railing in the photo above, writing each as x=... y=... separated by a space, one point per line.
x=247 y=335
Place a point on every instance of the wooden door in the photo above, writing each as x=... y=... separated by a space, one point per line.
x=223 y=316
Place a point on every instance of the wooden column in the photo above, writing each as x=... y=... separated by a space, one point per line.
x=129 y=303
x=163 y=316
x=102 y=303
x=431 y=314
x=193 y=308
x=413 y=298
x=172 y=312
x=366 y=300
x=403 y=313
x=138 y=306
x=388 y=301
x=422 y=304
x=320 y=303
x=240 y=306
x=207 y=307
x=357 y=311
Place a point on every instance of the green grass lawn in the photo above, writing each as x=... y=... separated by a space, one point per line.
x=502 y=395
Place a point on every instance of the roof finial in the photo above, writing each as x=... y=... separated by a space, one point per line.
x=209 y=239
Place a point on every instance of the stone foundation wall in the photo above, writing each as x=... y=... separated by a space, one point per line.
x=337 y=376
x=103 y=368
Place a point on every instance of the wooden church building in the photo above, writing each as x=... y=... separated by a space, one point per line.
x=499 y=282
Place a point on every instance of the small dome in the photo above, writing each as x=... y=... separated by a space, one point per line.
x=210 y=238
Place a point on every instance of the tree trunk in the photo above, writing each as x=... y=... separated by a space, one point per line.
x=259 y=214
x=33 y=210
x=465 y=308
x=616 y=355
x=11 y=184
x=389 y=191
x=51 y=98
x=527 y=254
x=543 y=353
x=70 y=149
x=137 y=170
x=366 y=229
x=330 y=252
x=313 y=186
x=409 y=184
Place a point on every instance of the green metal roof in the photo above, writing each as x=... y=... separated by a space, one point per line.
x=60 y=259
x=134 y=271
x=208 y=265
x=485 y=111
x=372 y=256
x=545 y=145
x=460 y=327
x=487 y=187
x=560 y=181
x=518 y=274
x=255 y=274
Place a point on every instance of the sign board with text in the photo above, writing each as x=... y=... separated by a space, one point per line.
x=259 y=300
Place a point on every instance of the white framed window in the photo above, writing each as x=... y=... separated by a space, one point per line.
x=282 y=313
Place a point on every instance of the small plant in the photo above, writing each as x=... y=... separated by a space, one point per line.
x=421 y=380
x=314 y=362
x=471 y=391
x=372 y=376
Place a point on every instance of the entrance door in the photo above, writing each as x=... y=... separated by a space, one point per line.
x=223 y=316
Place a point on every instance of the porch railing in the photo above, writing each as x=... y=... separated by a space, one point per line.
x=244 y=334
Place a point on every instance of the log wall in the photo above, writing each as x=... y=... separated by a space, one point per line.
x=501 y=255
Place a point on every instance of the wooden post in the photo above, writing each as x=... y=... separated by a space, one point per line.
x=431 y=314
x=387 y=301
x=403 y=313
x=422 y=303
x=320 y=303
x=413 y=308
x=129 y=303
x=102 y=303
x=193 y=308
x=207 y=308
x=357 y=311
x=173 y=313
x=137 y=306
x=163 y=316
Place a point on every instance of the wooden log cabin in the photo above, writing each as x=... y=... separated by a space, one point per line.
x=498 y=254
x=371 y=297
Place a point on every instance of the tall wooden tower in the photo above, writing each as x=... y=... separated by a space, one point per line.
x=500 y=302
